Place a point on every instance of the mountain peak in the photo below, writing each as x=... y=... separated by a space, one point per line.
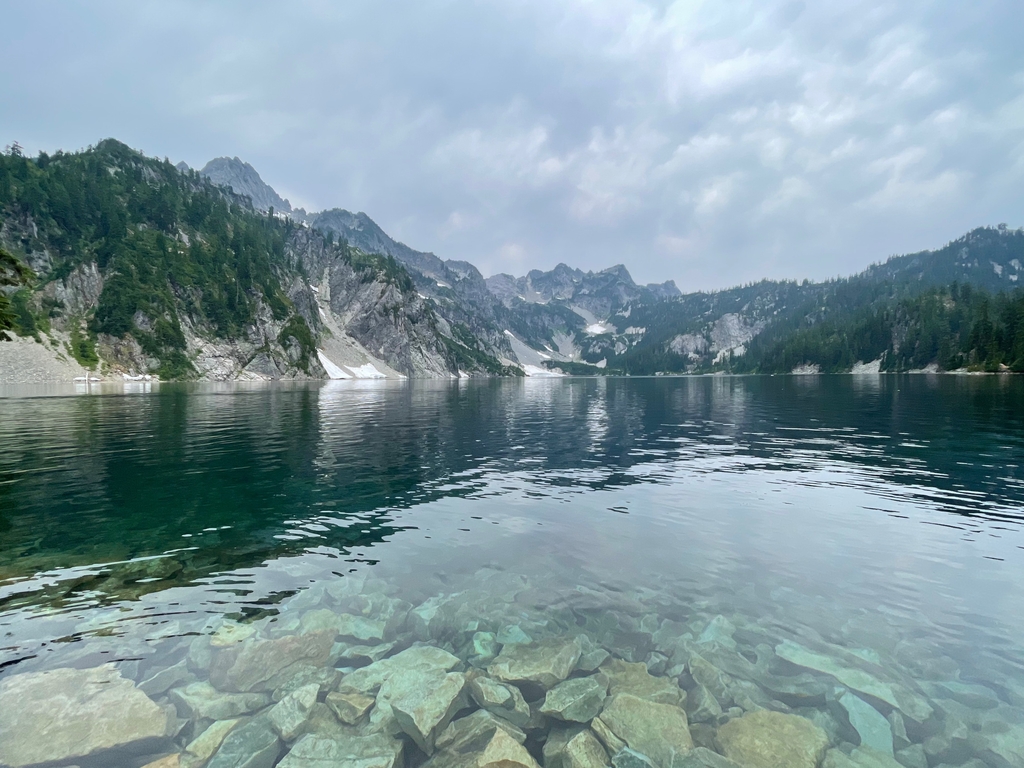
x=244 y=180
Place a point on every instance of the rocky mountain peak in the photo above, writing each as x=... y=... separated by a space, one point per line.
x=244 y=180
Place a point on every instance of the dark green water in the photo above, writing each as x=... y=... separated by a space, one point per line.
x=880 y=515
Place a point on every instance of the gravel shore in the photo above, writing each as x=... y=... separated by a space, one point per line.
x=26 y=361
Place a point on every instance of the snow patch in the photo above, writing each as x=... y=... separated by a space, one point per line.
x=874 y=367
x=1015 y=264
x=540 y=373
x=366 y=371
x=597 y=329
x=807 y=369
x=997 y=268
x=334 y=371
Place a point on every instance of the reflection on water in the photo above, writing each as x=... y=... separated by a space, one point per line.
x=842 y=550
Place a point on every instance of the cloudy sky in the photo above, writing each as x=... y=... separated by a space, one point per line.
x=711 y=143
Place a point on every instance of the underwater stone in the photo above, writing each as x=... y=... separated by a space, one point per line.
x=900 y=740
x=200 y=749
x=912 y=757
x=423 y=704
x=633 y=678
x=656 y=663
x=546 y=663
x=475 y=728
x=630 y=758
x=505 y=701
x=68 y=714
x=554 y=744
x=711 y=677
x=253 y=745
x=265 y=664
x=577 y=700
x=512 y=635
x=500 y=750
x=702 y=706
x=700 y=757
x=766 y=739
x=485 y=648
x=872 y=728
x=612 y=742
x=326 y=678
x=349 y=707
x=659 y=731
x=909 y=703
x=289 y=716
x=164 y=679
x=861 y=757
x=372 y=751
x=201 y=701
x=583 y=750
x=719 y=630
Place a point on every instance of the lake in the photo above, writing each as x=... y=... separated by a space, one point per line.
x=784 y=571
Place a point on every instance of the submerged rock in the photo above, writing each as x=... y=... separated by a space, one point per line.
x=253 y=745
x=630 y=758
x=577 y=700
x=701 y=757
x=476 y=728
x=659 y=731
x=872 y=728
x=373 y=751
x=350 y=708
x=500 y=750
x=424 y=704
x=633 y=678
x=289 y=716
x=862 y=757
x=503 y=700
x=584 y=751
x=200 y=749
x=546 y=663
x=702 y=706
x=263 y=665
x=201 y=701
x=69 y=714
x=766 y=739
x=895 y=695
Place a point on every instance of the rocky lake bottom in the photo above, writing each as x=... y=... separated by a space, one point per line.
x=570 y=574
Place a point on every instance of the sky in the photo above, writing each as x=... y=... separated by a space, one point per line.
x=706 y=142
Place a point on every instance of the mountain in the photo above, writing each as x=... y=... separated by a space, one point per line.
x=120 y=263
x=132 y=266
x=243 y=179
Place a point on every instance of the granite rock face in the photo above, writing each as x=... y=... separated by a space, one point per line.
x=64 y=715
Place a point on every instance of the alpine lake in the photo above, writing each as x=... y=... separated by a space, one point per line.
x=763 y=572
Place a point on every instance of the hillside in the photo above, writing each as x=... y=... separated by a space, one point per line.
x=134 y=266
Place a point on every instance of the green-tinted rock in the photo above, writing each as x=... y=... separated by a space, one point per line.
x=263 y=665
x=625 y=677
x=373 y=751
x=862 y=757
x=872 y=728
x=630 y=758
x=659 y=731
x=578 y=700
x=766 y=739
x=201 y=701
x=253 y=745
x=424 y=704
x=583 y=750
x=546 y=663
x=350 y=708
x=912 y=757
x=289 y=716
x=700 y=757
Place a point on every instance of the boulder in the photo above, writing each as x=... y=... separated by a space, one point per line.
x=702 y=706
x=862 y=757
x=871 y=726
x=546 y=663
x=858 y=679
x=201 y=701
x=263 y=665
x=500 y=699
x=659 y=731
x=64 y=715
x=201 y=748
x=584 y=751
x=701 y=757
x=349 y=707
x=634 y=678
x=372 y=751
x=477 y=728
x=289 y=716
x=630 y=758
x=766 y=739
x=253 y=745
x=912 y=757
x=422 y=658
x=424 y=703
x=576 y=700
x=499 y=751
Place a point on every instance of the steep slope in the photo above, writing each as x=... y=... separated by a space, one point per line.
x=243 y=179
x=137 y=267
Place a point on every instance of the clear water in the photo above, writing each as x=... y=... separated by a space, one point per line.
x=873 y=518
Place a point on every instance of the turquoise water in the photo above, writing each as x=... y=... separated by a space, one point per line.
x=792 y=528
